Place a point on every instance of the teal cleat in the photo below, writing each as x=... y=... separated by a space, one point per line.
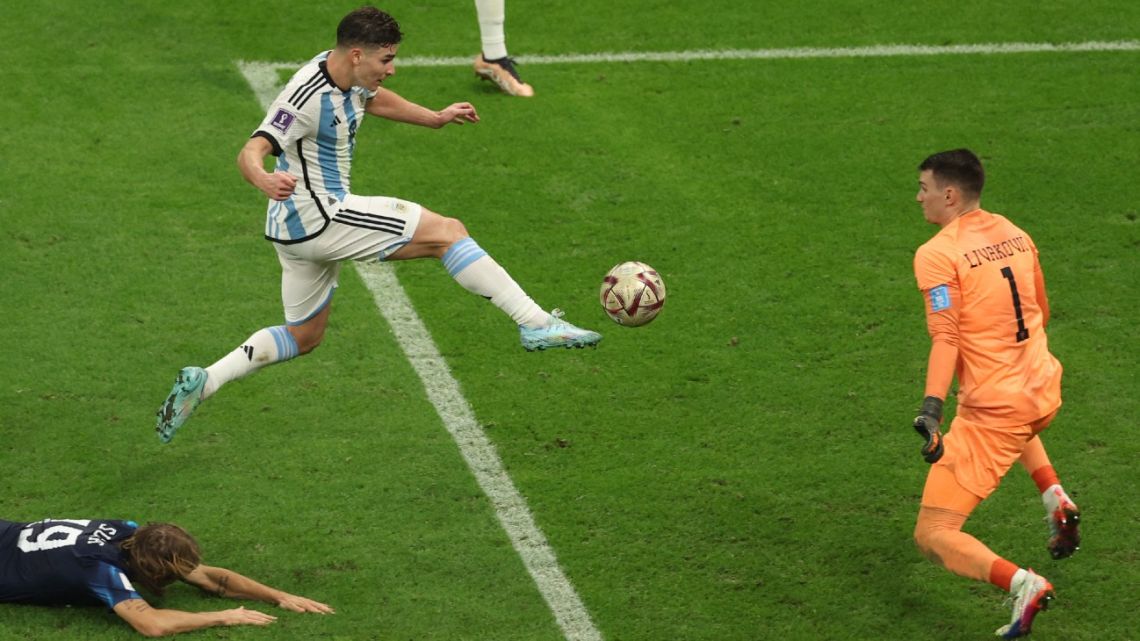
x=558 y=333
x=181 y=403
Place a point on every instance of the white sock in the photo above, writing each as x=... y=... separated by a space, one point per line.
x=471 y=267
x=1019 y=577
x=266 y=346
x=1053 y=497
x=492 y=15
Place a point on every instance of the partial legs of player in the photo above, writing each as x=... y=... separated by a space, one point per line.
x=265 y=347
x=1061 y=513
x=478 y=273
x=493 y=63
x=946 y=506
x=435 y=236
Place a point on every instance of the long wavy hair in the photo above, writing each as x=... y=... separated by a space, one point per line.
x=159 y=554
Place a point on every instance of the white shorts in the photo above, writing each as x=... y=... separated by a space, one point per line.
x=362 y=228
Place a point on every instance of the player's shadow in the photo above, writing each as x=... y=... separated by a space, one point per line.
x=918 y=598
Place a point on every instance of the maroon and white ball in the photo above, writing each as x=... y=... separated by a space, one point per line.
x=632 y=294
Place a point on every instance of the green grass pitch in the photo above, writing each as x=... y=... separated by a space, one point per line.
x=740 y=469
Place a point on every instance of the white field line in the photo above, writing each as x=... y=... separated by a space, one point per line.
x=459 y=419
x=876 y=51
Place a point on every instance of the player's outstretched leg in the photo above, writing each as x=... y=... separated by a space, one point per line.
x=558 y=333
x=1032 y=595
x=478 y=273
x=183 y=400
x=194 y=384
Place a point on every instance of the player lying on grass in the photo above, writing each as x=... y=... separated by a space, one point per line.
x=93 y=562
x=316 y=222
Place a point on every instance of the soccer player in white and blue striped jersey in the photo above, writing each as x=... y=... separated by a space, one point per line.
x=315 y=221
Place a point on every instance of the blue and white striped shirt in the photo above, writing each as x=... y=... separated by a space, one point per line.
x=312 y=126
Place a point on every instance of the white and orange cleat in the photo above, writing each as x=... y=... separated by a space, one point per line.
x=1064 y=527
x=501 y=71
x=1032 y=596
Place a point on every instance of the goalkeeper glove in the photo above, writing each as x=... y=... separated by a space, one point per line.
x=926 y=424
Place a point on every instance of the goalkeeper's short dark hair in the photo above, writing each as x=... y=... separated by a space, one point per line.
x=958 y=167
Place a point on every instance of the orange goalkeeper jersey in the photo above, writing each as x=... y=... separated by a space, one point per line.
x=984 y=293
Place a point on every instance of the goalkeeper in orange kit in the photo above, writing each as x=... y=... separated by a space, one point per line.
x=986 y=312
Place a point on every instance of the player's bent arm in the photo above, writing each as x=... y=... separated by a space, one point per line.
x=154 y=622
x=228 y=583
x=390 y=105
x=251 y=162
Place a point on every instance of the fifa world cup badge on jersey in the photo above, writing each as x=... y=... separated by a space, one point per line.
x=939 y=298
x=282 y=119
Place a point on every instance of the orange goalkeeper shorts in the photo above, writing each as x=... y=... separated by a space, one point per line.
x=978 y=457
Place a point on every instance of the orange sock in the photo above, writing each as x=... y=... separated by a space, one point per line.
x=1045 y=478
x=1001 y=573
x=1036 y=461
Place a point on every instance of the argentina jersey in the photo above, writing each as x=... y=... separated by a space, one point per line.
x=312 y=127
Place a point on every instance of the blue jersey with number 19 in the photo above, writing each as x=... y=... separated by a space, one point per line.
x=312 y=127
x=65 y=562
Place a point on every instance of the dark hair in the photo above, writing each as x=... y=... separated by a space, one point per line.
x=958 y=167
x=368 y=27
x=159 y=554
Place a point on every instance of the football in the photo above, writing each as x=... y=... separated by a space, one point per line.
x=632 y=293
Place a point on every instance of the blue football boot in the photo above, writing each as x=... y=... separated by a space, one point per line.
x=558 y=333
x=183 y=400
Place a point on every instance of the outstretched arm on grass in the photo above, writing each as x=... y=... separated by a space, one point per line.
x=155 y=622
x=228 y=583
